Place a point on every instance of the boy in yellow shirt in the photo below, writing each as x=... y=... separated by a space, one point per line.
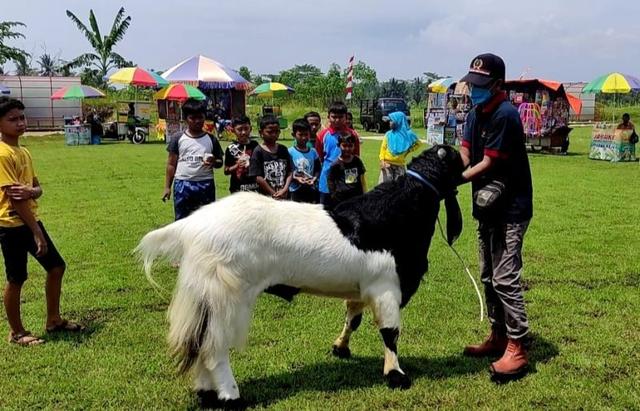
x=21 y=232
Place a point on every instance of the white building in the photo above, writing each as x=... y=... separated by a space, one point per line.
x=588 y=101
x=35 y=93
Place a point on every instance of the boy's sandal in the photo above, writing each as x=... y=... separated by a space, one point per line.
x=65 y=325
x=25 y=339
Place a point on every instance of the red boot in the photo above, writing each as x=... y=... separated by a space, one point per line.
x=493 y=346
x=514 y=362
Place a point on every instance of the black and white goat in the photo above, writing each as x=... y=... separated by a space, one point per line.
x=370 y=250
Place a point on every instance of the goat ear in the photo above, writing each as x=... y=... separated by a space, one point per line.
x=454 y=218
x=442 y=153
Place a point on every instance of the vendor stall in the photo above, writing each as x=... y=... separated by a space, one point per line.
x=610 y=143
x=445 y=114
x=224 y=88
x=544 y=110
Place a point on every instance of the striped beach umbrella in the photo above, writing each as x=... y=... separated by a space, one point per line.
x=76 y=92
x=613 y=83
x=271 y=90
x=136 y=76
x=206 y=73
x=179 y=92
x=440 y=85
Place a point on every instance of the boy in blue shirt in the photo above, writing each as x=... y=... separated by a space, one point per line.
x=306 y=165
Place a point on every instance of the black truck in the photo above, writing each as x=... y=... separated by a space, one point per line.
x=373 y=113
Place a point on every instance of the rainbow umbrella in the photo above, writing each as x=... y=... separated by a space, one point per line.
x=76 y=92
x=204 y=72
x=441 y=85
x=271 y=90
x=179 y=92
x=136 y=76
x=613 y=83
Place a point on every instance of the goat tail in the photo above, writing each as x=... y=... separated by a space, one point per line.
x=209 y=313
x=163 y=242
x=189 y=320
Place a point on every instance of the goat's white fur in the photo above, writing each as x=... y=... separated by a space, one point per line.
x=231 y=250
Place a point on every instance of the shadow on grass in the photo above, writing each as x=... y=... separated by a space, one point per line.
x=92 y=321
x=335 y=375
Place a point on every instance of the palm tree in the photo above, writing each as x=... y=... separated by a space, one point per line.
x=7 y=33
x=49 y=65
x=103 y=58
x=23 y=66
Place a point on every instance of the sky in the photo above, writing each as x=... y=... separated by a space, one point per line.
x=565 y=40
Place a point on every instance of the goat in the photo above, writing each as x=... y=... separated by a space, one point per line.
x=370 y=250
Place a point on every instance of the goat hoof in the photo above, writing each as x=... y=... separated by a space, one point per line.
x=396 y=379
x=341 y=352
x=208 y=400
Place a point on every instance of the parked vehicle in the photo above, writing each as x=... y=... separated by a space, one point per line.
x=374 y=113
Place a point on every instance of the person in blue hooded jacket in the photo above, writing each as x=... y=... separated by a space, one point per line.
x=399 y=141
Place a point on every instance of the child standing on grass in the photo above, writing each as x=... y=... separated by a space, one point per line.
x=238 y=155
x=192 y=156
x=397 y=143
x=22 y=232
x=306 y=165
x=270 y=162
x=346 y=176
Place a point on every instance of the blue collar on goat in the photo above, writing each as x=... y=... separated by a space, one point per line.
x=399 y=216
x=423 y=180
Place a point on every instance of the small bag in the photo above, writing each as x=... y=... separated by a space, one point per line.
x=489 y=196
x=633 y=138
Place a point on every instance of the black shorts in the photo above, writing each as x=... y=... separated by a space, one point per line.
x=304 y=194
x=16 y=243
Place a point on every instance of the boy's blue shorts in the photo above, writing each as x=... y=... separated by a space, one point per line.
x=188 y=196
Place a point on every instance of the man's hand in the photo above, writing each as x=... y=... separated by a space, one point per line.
x=280 y=194
x=20 y=192
x=166 y=195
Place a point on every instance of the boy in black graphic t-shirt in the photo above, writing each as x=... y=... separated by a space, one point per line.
x=346 y=175
x=238 y=155
x=270 y=162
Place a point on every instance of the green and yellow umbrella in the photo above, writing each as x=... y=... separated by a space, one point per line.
x=613 y=83
x=271 y=90
x=441 y=85
x=179 y=92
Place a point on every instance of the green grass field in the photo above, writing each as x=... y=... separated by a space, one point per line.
x=582 y=274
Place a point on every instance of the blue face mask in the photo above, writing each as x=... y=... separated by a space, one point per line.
x=479 y=95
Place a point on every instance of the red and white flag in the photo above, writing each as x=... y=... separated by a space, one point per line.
x=349 y=88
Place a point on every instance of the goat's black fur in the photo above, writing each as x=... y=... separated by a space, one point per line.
x=400 y=216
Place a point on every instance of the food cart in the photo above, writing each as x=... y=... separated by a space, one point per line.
x=544 y=110
x=131 y=120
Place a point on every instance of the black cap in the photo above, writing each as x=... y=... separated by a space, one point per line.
x=485 y=69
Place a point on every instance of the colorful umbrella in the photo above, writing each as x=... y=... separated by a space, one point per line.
x=206 y=73
x=271 y=90
x=441 y=85
x=179 y=92
x=76 y=92
x=136 y=76
x=613 y=83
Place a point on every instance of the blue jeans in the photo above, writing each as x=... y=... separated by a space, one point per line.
x=188 y=196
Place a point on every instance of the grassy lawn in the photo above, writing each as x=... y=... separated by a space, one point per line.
x=582 y=272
